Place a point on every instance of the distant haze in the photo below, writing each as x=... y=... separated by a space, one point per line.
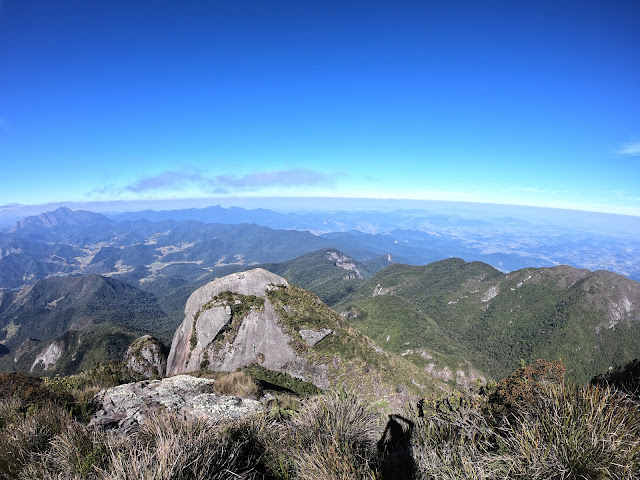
x=9 y=214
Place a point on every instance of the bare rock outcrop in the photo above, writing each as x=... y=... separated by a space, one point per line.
x=48 y=357
x=147 y=356
x=312 y=337
x=230 y=323
x=125 y=407
x=342 y=261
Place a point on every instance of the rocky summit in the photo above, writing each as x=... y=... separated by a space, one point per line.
x=257 y=318
x=230 y=323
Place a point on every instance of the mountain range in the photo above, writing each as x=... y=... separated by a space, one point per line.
x=173 y=245
x=76 y=279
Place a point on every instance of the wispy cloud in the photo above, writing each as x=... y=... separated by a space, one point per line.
x=295 y=177
x=527 y=189
x=170 y=179
x=631 y=149
x=176 y=181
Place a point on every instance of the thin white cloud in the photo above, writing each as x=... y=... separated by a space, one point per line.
x=181 y=181
x=170 y=179
x=527 y=189
x=631 y=149
x=295 y=177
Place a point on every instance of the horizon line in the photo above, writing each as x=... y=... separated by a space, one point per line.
x=148 y=204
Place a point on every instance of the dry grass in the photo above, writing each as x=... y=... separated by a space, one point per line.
x=577 y=432
x=333 y=437
x=167 y=447
x=560 y=432
x=25 y=433
x=237 y=384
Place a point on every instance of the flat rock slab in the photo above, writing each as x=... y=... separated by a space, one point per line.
x=311 y=337
x=126 y=406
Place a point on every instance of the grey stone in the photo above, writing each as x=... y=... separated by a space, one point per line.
x=311 y=337
x=147 y=356
x=261 y=337
x=125 y=407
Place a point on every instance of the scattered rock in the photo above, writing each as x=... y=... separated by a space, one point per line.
x=379 y=290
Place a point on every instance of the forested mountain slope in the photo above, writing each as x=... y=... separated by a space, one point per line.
x=451 y=311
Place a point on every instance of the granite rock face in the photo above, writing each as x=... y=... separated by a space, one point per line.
x=125 y=407
x=230 y=323
x=147 y=356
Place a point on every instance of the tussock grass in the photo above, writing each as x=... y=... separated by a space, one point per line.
x=333 y=437
x=549 y=431
x=577 y=432
x=25 y=433
x=173 y=448
x=238 y=384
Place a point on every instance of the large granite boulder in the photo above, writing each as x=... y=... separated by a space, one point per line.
x=230 y=323
x=126 y=406
x=147 y=356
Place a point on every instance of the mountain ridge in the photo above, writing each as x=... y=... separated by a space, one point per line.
x=472 y=311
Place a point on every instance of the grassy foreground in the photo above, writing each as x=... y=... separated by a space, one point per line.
x=530 y=425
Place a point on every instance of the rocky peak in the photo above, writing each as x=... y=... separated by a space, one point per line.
x=230 y=323
x=257 y=317
x=340 y=260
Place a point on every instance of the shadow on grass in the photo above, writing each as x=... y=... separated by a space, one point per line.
x=394 y=449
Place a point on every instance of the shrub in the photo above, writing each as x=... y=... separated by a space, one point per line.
x=526 y=384
x=625 y=379
x=281 y=380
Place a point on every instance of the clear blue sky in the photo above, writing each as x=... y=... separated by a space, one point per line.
x=534 y=103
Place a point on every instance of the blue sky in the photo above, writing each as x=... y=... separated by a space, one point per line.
x=528 y=103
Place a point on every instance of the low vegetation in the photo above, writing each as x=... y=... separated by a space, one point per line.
x=531 y=425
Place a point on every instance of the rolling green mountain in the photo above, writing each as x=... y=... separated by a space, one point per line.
x=450 y=312
x=88 y=313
